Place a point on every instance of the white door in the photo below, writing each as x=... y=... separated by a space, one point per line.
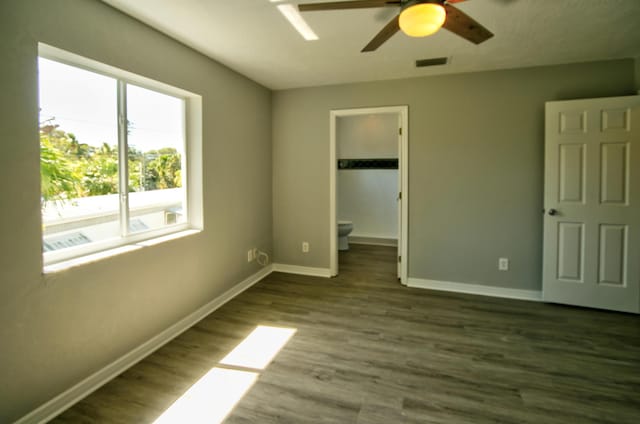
x=592 y=203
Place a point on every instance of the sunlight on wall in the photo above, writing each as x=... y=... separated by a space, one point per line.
x=217 y=393
x=259 y=348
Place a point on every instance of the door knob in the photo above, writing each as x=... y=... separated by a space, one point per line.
x=552 y=212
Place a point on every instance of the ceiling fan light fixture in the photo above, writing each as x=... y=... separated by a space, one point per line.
x=422 y=19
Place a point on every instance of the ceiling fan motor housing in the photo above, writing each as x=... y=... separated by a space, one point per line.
x=405 y=4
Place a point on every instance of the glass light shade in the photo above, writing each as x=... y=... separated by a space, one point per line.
x=423 y=19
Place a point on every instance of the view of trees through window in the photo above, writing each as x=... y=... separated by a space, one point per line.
x=71 y=169
x=80 y=169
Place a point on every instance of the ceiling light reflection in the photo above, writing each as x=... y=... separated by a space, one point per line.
x=292 y=14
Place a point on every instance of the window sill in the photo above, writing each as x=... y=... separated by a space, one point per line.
x=95 y=257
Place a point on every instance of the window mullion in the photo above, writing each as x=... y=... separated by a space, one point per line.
x=123 y=158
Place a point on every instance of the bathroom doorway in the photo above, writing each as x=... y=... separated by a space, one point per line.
x=376 y=156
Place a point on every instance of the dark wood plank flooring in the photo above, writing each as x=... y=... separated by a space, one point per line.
x=368 y=350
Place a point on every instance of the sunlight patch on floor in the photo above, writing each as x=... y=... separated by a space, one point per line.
x=211 y=399
x=259 y=348
x=217 y=393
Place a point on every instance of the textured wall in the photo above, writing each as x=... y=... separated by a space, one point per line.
x=57 y=330
x=367 y=136
x=476 y=145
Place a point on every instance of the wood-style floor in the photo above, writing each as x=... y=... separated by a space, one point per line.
x=368 y=350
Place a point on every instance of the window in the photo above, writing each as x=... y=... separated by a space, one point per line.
x=117 y=157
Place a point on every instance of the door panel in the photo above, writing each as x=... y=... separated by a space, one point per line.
x=616 y=120
x=592 y=199
x=571 y=181
x=570 y=251
x=573 y=122
x=613 y=246
x=615 y=173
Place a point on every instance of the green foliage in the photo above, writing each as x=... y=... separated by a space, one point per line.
x=59 y=182
x=163 y=170
x=70 y=169
x=100 y=172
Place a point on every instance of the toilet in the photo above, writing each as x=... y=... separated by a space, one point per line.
x=344 y=229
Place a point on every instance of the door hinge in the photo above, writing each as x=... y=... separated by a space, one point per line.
x=399 y=195
x=400 y=130
x=399 y=258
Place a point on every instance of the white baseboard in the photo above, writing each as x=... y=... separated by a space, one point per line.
x=534 y=295
x=64 y=400
x=302 y=270
x=375 y=241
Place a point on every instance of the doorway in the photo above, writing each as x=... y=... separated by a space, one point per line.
x=402 y=115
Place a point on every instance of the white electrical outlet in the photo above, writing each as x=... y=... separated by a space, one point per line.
x=503 y=264
x=305 y=247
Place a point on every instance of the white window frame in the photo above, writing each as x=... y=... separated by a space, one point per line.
x=191 y=160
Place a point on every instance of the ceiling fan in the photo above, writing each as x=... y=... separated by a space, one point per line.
x=417 y=18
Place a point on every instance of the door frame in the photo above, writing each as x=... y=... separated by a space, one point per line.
x=403 y=176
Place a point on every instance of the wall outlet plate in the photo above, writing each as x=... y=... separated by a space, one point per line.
x=305 y=247
x=503 y=264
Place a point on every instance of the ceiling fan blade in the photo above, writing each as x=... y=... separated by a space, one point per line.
x=466 y=27
x=339 y=5
x=387 y=32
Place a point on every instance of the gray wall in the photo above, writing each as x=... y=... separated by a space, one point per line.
x=475 y=166
x=56 y=331
x=367 y=136
x=367 y=198
x=637 y=62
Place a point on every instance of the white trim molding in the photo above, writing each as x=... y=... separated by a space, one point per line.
x=373 y=241
x=84 y=388
x=302 y=270
x=479 y=289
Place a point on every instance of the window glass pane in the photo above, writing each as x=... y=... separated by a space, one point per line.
x=156 y=151
x=78 y=156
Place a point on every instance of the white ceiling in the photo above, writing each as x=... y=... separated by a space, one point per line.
x=253 y=38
